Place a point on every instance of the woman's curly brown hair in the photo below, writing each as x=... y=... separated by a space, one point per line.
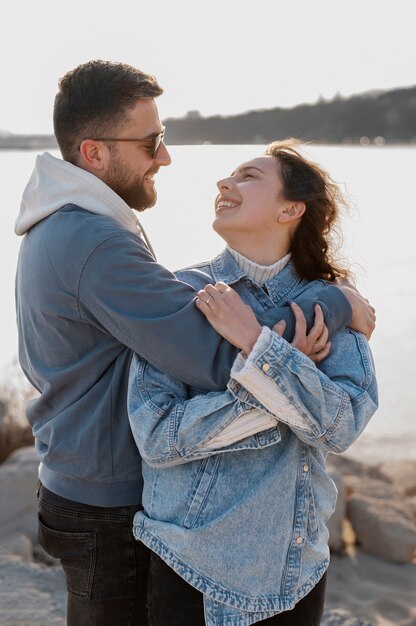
x=312 y=244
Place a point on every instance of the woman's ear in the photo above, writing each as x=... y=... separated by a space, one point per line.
x=293 y=212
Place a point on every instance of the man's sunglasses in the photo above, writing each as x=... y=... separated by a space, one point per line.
x=153 y=142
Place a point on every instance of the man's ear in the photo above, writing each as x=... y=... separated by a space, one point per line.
x=93 y=156
x=293 y=212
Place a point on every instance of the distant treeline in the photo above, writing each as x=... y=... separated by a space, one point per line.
x=374 y=117
x=27 y=142
x=382 y=117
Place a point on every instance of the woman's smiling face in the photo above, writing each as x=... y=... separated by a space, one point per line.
x=250 y=200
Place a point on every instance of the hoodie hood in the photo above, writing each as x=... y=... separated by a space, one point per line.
x=55 y=183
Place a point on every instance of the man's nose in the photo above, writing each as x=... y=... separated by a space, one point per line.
x=163 y=156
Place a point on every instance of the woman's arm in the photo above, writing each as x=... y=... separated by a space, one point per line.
x=171 y=427
x=327 y=407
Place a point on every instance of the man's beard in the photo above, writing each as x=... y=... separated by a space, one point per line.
x=128 y=187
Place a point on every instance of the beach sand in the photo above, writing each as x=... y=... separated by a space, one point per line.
x=363 y=589
x=368 y=588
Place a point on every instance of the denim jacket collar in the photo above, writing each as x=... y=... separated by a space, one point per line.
x=224 y=268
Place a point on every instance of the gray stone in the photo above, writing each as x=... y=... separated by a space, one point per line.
x=382 y=520
x=41 y=556
x=17 y=545
x=412 y=506
x=336 y=521
x=26 y=455
x=350 y=467
x=341 y=617
x=18 y=482
x=402 y=474
x=13 y=434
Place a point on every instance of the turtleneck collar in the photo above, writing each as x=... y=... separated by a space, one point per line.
x=260 y=274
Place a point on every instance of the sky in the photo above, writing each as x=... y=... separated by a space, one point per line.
x=218 y=56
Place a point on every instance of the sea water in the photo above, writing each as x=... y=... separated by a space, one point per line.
x=379 y=232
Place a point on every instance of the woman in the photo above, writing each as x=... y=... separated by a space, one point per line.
x=236 y=493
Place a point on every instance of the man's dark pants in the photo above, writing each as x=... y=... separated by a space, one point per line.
x=106 y=568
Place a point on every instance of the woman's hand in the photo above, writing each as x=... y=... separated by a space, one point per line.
x=228 y=314
x=363 y=314
x=236 y=322
x=314 y=344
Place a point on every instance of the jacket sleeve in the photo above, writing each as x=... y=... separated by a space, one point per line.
x=171 y=427
x=327 y=407
x=335 y=308
x=123 y=290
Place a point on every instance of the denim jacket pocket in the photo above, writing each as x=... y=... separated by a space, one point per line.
x=77 y=553
x=204 y=480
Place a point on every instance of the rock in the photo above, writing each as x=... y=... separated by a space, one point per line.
x=412 y=505
x=402 y=474
x=18 y=484
x=13 y=433
x=17 y=545
x=335 y=522
x=26 y=455
x=349 y=467
x=340 y=617
x=382 y=519
x=41 y=556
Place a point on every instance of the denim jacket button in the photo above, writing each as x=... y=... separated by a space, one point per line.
x=265 y=367
x=306 y=468
x=299 y=540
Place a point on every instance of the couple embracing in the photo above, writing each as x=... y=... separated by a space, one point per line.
x=183 y=421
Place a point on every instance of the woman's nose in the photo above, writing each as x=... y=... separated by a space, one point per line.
x=224 y=183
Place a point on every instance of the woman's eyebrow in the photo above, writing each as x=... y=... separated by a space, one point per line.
x=245 y=168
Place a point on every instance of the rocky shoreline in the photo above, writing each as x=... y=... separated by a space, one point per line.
x=372 y=576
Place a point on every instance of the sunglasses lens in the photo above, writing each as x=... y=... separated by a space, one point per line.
x=158 y=141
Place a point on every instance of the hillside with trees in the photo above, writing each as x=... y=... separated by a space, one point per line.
x=374 y=117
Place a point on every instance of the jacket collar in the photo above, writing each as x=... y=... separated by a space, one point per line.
x=224 y=268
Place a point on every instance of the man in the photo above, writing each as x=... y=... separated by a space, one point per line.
x=88 y=293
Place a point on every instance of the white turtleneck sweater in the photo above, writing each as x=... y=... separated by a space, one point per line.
x=260 y=274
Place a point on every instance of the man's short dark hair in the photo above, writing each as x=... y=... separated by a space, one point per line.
x=94 y=99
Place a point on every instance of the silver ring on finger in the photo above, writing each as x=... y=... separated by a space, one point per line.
x=209 y=298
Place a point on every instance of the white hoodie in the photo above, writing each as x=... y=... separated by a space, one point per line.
x=55 y=183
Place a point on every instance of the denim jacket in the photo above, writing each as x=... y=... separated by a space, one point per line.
x=244 y=522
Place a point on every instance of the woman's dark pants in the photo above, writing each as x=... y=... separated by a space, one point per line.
x=106 y=568
x=172 y=602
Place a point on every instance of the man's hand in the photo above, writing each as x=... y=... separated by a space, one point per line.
x=363 y=314
x=228 y=314
x=314 y=344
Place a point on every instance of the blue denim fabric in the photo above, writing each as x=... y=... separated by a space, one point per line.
x=88 y=293
x=246 y=524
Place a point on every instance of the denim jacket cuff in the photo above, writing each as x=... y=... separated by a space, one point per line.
x=259 y=374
